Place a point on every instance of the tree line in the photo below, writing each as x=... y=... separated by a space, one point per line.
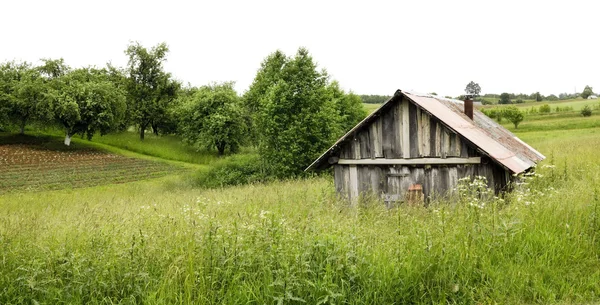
x=291 y=113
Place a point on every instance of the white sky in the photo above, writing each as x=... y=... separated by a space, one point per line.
x=370 y=47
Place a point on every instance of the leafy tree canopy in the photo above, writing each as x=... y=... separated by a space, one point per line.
x=87 y=102
x=587 y=92
x=514 y=115
x=504 y=98
x=150 y=90
x=212 y=117
x=299 y=119
x=473 y=88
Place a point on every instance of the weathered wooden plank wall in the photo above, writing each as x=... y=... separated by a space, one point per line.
x=405 y=131
x=393 y=181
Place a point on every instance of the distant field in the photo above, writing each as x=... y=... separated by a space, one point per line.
x=371 y=107
x=577 y=104
x=35 y=164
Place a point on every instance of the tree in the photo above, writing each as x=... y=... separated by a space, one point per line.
x=266 y=77
x=86 y=102
x=587 y=92
x=297 y=121
x=23 y=94
x=514 y=115
x=504 y=98
x=538 y=97
x=212 y=118
x=473 y=89
x=150 y=90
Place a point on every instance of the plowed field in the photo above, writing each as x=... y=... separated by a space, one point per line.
x=33 y=167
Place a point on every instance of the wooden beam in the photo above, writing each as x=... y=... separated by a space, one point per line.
x=416 y=161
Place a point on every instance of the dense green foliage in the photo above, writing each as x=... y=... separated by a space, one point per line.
x=586 y=111
x=212 y=118
x=151 y=91
x=296 y=112
x=298 y=119
x=513 y=115
x=234 y=170
x=86 y=102
x=587 y=92
x=22 y=94
x=504 y=99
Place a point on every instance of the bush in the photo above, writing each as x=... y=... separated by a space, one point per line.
x=235 y=170
x=520 y=101
x=586 y=111
x=545 y=108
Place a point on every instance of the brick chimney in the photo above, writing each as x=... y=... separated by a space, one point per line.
x=469 y=106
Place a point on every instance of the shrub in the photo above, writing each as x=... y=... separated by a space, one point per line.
x=514 y=115
x=586 y=111
x=235 y=170
x=520 y=101
x=545 y=108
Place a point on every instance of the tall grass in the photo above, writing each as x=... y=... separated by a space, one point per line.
x=294 y=242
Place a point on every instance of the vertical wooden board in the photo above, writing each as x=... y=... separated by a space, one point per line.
x=400 y=128
x=397 y=148
x=388 y=134
x=347 y=181
x=364 y=180
x=419 y=134
x=338 y=178
x=365 y=144
x=425 y=131
x=405 y=129
x=353 y=186
x=413 y=131
x=438 y=139
x=426 y=182
x=376 y=138
x=391 y=180
x=464 y=149
x=376 y=179
x=432 y=138
x=356 y=148
x=346 y=150
x=452 y=178
x=443 y=141
x=442 y=181
x=452 y=144
x=431 y=177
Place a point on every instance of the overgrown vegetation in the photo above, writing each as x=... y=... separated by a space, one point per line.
x=293 y=242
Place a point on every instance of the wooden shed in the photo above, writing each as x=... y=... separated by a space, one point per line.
x=427 y=143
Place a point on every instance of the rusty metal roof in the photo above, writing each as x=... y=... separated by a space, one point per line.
x=489 y=137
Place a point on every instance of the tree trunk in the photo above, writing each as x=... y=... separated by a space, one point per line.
x=68 y=139
x=23 y=126
x=221 y=148
x=142 y=130
x=155 y=129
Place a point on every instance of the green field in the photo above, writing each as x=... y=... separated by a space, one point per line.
x=161 y=241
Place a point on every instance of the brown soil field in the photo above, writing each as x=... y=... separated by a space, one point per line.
x=36 y=167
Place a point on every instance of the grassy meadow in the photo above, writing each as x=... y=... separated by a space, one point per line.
x=162 y=241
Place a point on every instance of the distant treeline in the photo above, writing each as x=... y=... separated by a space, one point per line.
x=374 y=99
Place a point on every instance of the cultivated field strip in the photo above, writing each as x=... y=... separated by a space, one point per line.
x=29 y=167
